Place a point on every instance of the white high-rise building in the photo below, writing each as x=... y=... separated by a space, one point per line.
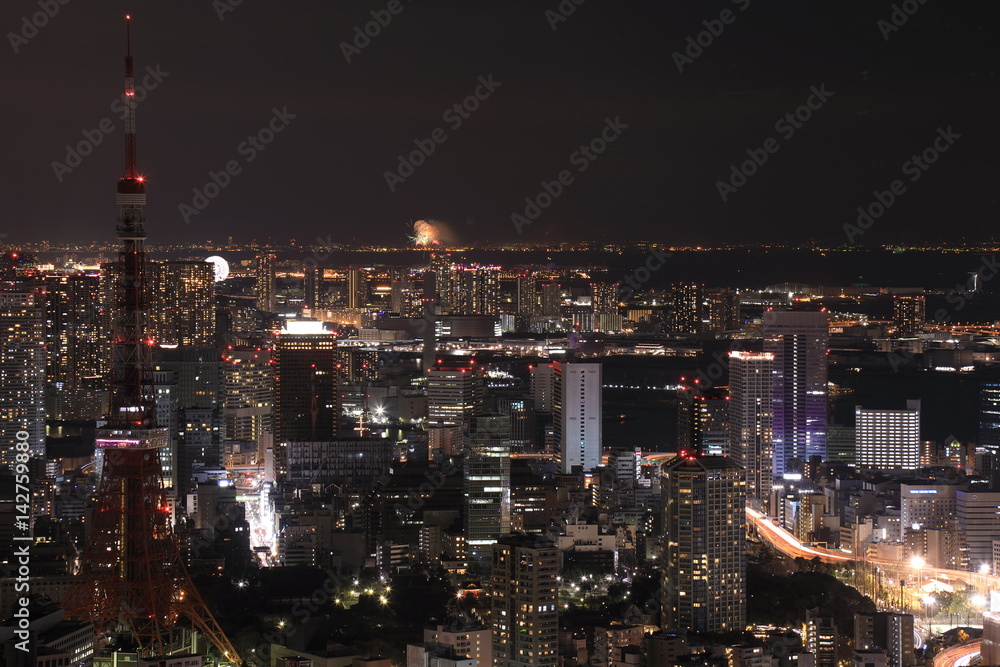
x=750 y=419
x=888 y=439
x=22 y=374
x=576 y=414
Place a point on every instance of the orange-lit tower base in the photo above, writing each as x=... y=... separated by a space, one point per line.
x=132 y=582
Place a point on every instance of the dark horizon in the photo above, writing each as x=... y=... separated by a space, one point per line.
x=547 y=83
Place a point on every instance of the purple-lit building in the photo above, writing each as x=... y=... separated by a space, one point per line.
x=798 y=341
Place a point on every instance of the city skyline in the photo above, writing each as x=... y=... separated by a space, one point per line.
x=472 y=448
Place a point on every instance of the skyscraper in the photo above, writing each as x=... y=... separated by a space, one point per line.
x=524 y=601
x=248 y=394
x=722 y=310
x=265 y=287
x=182 y=303
x=750 y=419
x=704 y=533
x=798 y=341
x=22 y=373
x=306 y=391
x=576 y=414
x=686 y=301
x=703 y=420
x=542 y=386
x=527 y=298
x=908 y=314
x=888 y=439
x=357 y=288
x=487 y=484
x=455 y=393
x=76 y=339
x=989 y=415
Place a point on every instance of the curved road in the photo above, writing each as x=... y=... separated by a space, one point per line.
x=958 y=656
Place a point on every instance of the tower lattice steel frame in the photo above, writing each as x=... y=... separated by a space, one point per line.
x=132 y=580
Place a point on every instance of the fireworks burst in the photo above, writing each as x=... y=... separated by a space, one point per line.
x=426 y=233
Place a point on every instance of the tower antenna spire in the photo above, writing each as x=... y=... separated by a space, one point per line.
x=131 y=169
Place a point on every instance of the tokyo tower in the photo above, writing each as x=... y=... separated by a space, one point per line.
x=132 y=582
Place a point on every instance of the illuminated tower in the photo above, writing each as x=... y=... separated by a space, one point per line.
x=132 y=582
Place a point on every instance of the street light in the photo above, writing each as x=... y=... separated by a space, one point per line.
x=929 y=600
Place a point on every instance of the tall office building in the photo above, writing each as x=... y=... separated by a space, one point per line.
x=306 y=391
x=487 y=484
x=750 y=415
x=248 y=394
x=22 y=373
x=821 y=639
x=704 y=533
x=357 y=288
x=892 y=633
x=686 y=302
x=576 y=414
x=77 y=369
x=265 y=287
x=455 y=393
x=798 y=341
x=405 y=297
x=552 y=300
x=527 y=297
x=312 y=286
x=196 y=376
x=703 y=420
x=605 y=300
x=542 y=385
x=479 y=290
x=909 y=314
x=524 y=601
x=989 y=415
x=357 y=364
x=979 y=524
x=722 y=310
x=182 y=303
x=888 y=439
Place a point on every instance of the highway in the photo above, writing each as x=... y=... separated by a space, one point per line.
x=789 y=545
x=959 y=656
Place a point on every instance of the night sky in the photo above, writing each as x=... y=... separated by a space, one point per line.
x=324 y=173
